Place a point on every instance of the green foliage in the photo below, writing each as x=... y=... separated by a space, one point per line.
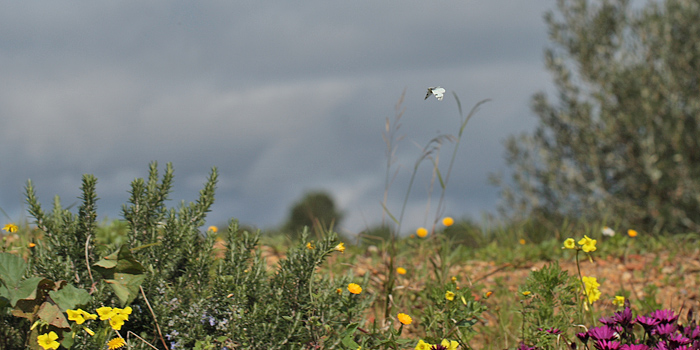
x=621 y=138
x=450 y=318
x=316 y=210
x=549 y=306
x=61 y=255
x=183 y=294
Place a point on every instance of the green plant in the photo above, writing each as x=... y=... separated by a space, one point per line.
x=548 y=306
x=621 y=139
x=175 y=290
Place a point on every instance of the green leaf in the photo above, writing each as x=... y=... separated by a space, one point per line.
x=121 y=261
x=68 y=340
x=69 y=297
x=24 y=290
x=123 y=273
x=347 y=335
x=439 y=175
x=126 y=286
x=11 y=269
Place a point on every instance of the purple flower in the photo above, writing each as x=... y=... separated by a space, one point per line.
x=583 y=337
x=634 y=347
x=676 y=340
x=602 y=333
x=608 y=321
x=647 y=322
x=550 y=330
x=624 y=317
x=525 y=347
x=664 y=329
x=664 y=316
x=438 y=347
x=692 y=332
x=661 y=346
x=607 y=345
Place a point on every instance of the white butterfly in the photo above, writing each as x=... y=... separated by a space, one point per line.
x=437 y=91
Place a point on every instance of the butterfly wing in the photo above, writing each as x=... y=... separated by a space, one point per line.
x=438 y=92
x=430 y=92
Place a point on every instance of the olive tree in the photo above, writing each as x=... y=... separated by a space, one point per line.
x=621 y=138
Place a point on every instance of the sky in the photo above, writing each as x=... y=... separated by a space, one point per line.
x=282 y=97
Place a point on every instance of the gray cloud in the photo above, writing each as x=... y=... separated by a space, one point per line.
x=282 y=98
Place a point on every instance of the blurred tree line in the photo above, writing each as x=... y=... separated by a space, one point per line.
x=620 y=140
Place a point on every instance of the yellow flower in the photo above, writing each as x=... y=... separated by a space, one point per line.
x=116 y=343
x=591 y=288
x=401 y=271
x=48 y=341
x=89 y=331
x=619 y=301
x=117 y=321
x=632 y=233
x=522 y=241
x=449 y=295
x=31 y=245
x=421 y=232
x=339 y=291
x=11 y=228
x=453 y=279
x=309 y=246
x=340 y=247
x=405 y=319
x=213 y=229
x=488 y=294
x=448 y=221
x=449 y=344
x=354 y=288
x=125 y=311
x=116 y=316
x=105 y=313
x=526 y=293
x=80 y=316
x=588 y=245
x=569 y=243
x=423 y=345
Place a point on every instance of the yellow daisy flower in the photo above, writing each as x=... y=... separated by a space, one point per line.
x=11 y=228
x=116 y=343
x=404 y=319
x=448 y=221
x=354 y=288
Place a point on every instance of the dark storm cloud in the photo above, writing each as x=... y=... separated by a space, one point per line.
x=282 y=98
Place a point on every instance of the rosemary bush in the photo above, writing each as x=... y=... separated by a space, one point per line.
x=178 y=293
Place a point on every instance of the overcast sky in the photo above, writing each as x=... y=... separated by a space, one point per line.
x=282 y=97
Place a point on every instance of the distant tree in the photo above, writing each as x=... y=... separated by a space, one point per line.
x=376 y=235
x=314 y=209
x=623 y=137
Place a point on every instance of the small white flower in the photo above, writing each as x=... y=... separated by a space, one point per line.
x=437 y=91
x=607 y=231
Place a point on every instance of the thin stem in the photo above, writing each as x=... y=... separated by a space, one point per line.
x=160 y=334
